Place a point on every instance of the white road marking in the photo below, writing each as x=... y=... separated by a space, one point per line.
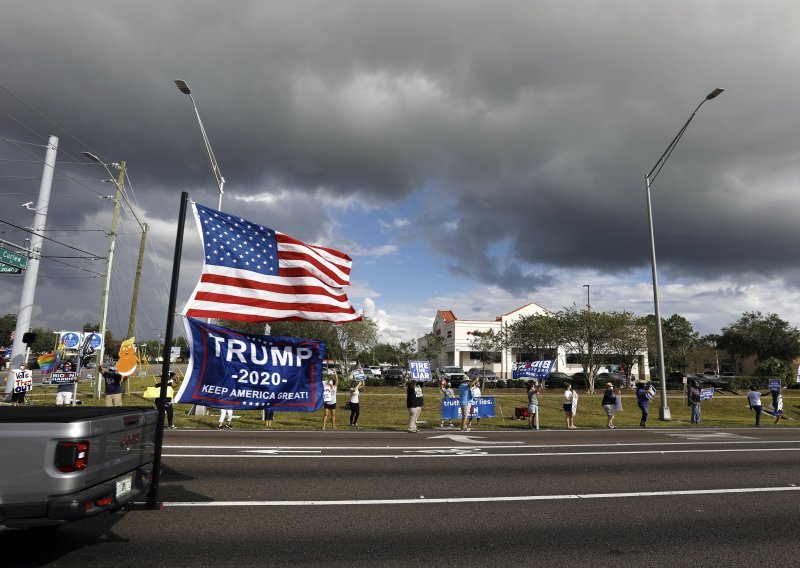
x=486 y=454
x=705 y=436
x=464 y=439
x=422 y=501
x=274 y=451
x=478 y=445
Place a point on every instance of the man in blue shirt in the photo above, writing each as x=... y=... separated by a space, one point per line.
x=113 y=381
x=465 y=400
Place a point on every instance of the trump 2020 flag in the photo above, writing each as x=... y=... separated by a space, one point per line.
x=252 y=273
x=229 y=369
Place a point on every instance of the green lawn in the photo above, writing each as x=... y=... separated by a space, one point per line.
x=383 y=408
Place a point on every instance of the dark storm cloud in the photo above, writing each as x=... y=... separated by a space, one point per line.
x=536 y=120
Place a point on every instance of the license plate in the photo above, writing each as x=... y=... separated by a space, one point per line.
x=124 y=485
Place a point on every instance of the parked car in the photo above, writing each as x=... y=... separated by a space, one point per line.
x=578 y=380
x=482 y=374
x=376 y=370
x=393 y=376
x=619 y=380
x=451 y=373
x=557 y=379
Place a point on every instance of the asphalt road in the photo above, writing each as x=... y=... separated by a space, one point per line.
x=698 y=497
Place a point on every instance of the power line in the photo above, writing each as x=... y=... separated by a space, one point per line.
x=54 y=240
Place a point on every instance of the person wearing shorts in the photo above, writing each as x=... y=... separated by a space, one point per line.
x=329 y=403
x=609 y=405
x=569 y=415
x=533 y=405
x=64 y=390
x=465 y=400
x=113 y=382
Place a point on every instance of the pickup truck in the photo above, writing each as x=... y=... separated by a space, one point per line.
x=61 y=464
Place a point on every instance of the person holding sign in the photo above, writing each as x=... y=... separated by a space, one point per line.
x=329 y=401
x=414 y=403
x=643 y=401
x=569 y=406
x=113 y=382
x=465 y=400
x=65 y=390
x=447 y=392
x=23 y=382
x=777 y=403
x=533 y=405
x=475 y=387
x=694 y=402
x=355 y=407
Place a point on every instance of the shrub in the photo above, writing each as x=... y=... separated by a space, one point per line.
x=500 y=384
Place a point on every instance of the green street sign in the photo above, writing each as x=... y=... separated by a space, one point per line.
x=13 y=259
x=6 y=269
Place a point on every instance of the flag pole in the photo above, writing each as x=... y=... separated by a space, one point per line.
x=152 y=496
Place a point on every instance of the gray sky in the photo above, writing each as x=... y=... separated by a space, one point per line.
x=472 y=156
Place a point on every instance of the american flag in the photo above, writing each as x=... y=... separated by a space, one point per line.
x=252 y=273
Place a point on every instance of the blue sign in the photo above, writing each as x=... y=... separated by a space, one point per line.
x=420 y=370
x=539 y=370
x=95 y=340
x=230 y=369
x=70 y=339
x=774 y=384
x=707 y=394
x=482 y=407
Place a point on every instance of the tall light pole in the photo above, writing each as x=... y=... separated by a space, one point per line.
x=649 y=178
x=184 y=88
x=112 y=239
x=588 y=296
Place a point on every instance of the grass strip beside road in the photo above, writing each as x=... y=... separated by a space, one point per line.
x=384 y=408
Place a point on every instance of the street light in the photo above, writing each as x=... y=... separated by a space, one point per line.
x=650 y=177
x=183 y=87
x=588 y=296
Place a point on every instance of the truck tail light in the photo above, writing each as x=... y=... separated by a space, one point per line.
x=72 y=456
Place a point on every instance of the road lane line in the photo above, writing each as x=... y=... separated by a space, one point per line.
x=482 y=454
x=478 y=445
x=423 y=501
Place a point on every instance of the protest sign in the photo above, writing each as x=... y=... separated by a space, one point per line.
x=482 y=407
x=22 y=379
x=420 y=370
x=707 y=393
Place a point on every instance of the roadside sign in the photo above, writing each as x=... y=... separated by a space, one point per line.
x=11 y=258
x=420 y=370
x=6 y=269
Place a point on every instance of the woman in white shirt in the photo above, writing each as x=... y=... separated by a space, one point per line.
x=355 y=408
x=569 y=396
x=329 y=402
x=475 y=388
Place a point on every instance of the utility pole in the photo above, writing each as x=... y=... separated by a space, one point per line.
x=32 y=271
x=112 y=238
x=135 y=298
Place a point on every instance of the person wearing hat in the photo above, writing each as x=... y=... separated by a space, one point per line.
x=113 y=381
x=609 y=405
x=65 y=390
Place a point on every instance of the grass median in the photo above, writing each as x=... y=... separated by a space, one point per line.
x=384 y=408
